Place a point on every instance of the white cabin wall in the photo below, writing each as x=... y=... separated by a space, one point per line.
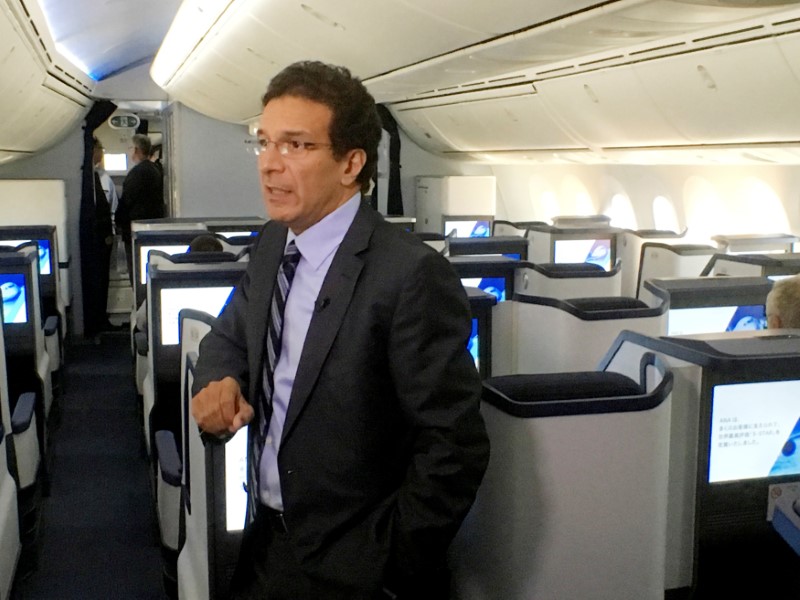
x=753 y=199
x=212 y=173
x=62 y=161
x=415 y=161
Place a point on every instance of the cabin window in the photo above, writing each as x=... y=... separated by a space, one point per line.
x=664 y=215
x=758 y=208
x=621 y=212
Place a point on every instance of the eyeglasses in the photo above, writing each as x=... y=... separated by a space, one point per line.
x=288 y=148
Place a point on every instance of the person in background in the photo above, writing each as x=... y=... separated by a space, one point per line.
x=105 y=196
x=366 y=445
x=142 y=194
x=783 y=304
x=204 y=242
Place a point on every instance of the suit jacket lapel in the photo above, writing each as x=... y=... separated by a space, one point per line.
x=334 y=299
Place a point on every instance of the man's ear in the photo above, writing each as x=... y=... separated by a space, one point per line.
x=353 y=165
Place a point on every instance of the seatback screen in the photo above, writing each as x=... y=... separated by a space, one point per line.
x=468 y=228
x=173 y=300
x=755 y=430
x=595 y=251
x=712 y=319
x=472 y=344
x=44 y=253
x=15 y=309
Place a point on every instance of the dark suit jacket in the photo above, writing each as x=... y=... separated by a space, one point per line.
x=383 y=447
x=142 y=196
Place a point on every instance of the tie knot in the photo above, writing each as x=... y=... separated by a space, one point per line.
x=291 y=256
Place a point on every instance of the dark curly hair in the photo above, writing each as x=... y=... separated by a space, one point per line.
x=355 y=122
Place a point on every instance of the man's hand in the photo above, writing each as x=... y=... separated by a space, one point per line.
x=220 y=407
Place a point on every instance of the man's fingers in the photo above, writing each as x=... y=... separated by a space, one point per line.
x=243 y=416
x=216 y=405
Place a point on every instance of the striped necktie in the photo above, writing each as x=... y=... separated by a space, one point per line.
x=272 y=351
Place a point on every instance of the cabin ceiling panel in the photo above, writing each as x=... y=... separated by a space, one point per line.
x=790 y=49
x=514 y=122
x=737 y=94
x=493 y=18
x=608 y=108
x=370 y=38
x=564 y=46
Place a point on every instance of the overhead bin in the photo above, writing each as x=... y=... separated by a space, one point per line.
x=732 y=94
x=41 y=97
x=515 y=120
x=260 y=38
x=608 y=108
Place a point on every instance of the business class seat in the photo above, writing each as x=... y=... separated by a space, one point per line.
x=629 y=252
x=753 y=265
x=573 y=502
x=20 y=417
x=535 y=334
x=27 y=361
x=9 y=524
x=720 y=525
x=658 y=260
x=567 y=280
x=214 y=500
x=513 y=246
x=52 y=314
x=143 y=341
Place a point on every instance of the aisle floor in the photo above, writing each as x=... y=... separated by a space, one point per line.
x=98 y=536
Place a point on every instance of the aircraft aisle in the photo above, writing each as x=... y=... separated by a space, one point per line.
x=98 y=536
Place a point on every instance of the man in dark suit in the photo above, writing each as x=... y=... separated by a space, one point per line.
x=142 y=194
x=367 y=405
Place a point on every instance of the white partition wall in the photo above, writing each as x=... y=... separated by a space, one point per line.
x=39 y=202
x=573 y=503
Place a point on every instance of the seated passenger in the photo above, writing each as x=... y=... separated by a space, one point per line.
x=204 y=242
x=783 y=304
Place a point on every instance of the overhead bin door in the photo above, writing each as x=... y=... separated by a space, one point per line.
x=608 y=108
x=516 y=122
x=735 y=94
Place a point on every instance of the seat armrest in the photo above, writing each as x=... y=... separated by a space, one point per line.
x=168 y=460
x=141 y=343
x=50 y=325
x=23 y=413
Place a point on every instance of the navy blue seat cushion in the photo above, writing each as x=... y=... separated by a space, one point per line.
x=562 y=386
x=564 y=394
x=548 y=268
x=606 y=303
x=203 y=257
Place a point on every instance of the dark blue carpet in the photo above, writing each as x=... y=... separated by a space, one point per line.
x=98 y=536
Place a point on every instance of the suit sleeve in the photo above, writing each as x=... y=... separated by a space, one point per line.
x=439 y=390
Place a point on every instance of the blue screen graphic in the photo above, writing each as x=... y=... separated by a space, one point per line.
x=493 y=285
x=748 y=318
x=472 y=345
x=44 y=257
x=12 y=286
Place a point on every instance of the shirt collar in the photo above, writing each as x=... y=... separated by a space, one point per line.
x=323 y=238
